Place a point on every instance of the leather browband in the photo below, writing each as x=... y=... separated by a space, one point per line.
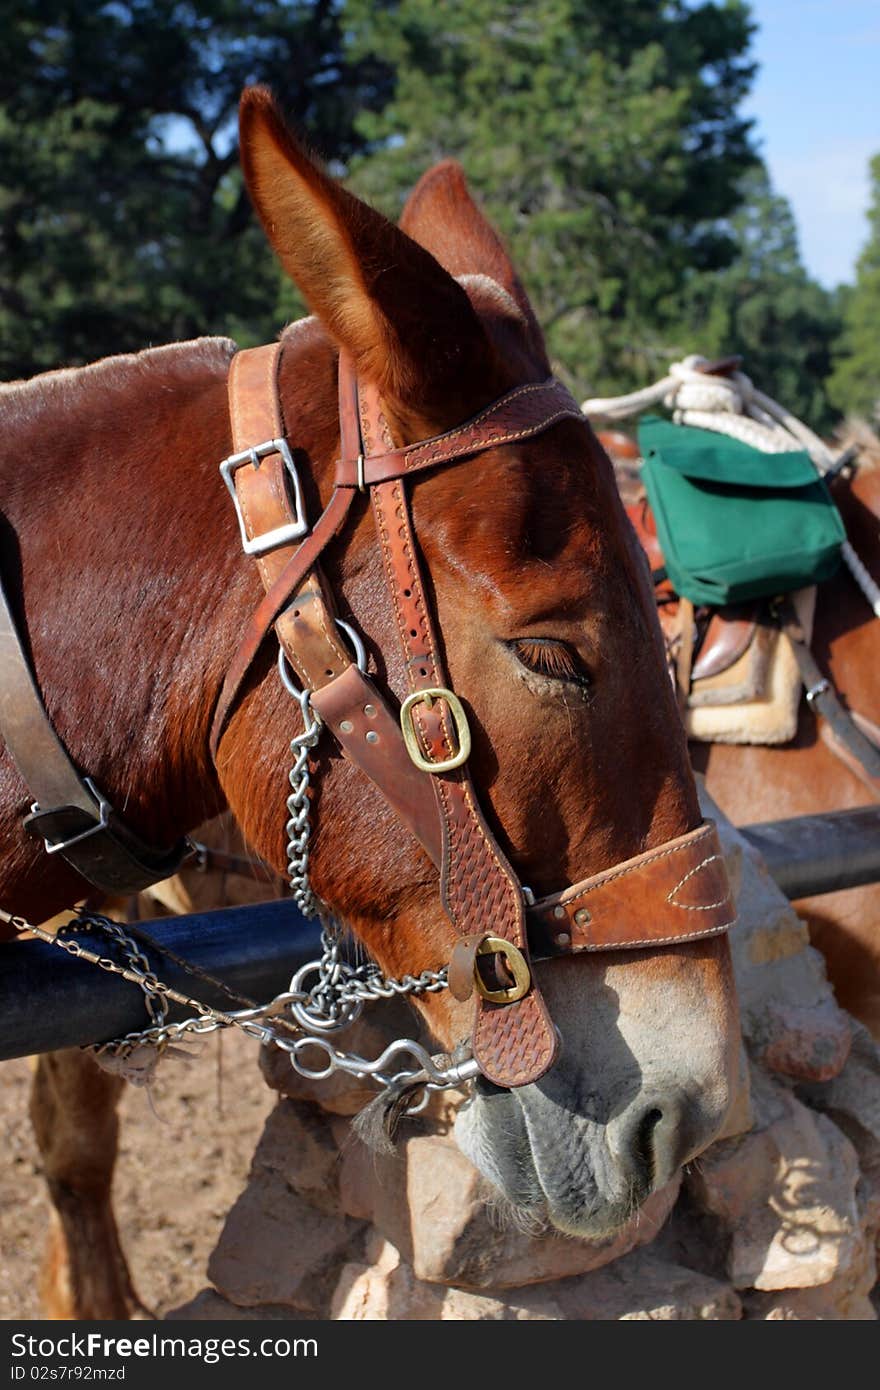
x=677 y=892
x=520 y=414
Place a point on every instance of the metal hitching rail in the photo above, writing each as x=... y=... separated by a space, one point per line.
x=49 y=1000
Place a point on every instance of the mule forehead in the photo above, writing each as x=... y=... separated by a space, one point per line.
x=540 y=524
x=537 y=529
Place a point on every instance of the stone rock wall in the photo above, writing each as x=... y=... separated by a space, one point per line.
x=777 y=1220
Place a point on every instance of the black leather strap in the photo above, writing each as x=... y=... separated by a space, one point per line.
x=69 y=812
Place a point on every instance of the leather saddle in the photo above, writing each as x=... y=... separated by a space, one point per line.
x=720 y=637
x=740 y=670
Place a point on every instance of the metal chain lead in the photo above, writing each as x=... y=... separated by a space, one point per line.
x=154 y=997
x=341 y=990
x=357 y=985
x=333 y=1002
x=298 y=827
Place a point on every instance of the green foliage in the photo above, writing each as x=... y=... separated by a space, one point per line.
x=855 y=382
x=123 y=219
x=765 y=307
x=604 y=140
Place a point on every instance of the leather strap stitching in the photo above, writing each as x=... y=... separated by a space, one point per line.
x=578 y=891
x=696 y=907
x=529 y=431
x=576 y=948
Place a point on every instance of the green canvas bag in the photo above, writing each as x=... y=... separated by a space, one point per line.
x=733 y=522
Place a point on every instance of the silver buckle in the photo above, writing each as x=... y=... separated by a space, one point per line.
x=281 y=535
x=103 y=808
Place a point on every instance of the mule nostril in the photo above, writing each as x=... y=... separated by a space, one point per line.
x=643 y=1143
x=649 y=1140
x=652 y=1137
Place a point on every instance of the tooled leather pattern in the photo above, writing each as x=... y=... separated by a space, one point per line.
x=519 y=415
x=514 y=1043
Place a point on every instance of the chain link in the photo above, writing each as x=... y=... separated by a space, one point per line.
x=145 y=979
x=298 y=827
x=338 y=996
x=335 y=1001
x=154 y=999
x=341 y=990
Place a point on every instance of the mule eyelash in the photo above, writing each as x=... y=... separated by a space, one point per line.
x=552 y=659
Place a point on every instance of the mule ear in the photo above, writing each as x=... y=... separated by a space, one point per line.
x=441 y=215
x=409 y=327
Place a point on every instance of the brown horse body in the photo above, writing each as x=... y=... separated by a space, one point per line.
x=108 y=492
x=805 y=777
x=121 y=554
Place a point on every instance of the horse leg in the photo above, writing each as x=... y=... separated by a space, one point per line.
x=73 y=1111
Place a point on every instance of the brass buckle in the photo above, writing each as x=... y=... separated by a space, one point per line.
x=411 y=738
x=517 y=964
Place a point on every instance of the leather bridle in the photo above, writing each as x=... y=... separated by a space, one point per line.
x=418 y=756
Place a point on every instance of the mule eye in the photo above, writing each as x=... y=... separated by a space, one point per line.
x=555 y=660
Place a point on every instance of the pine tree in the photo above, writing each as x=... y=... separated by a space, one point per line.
x=604 y=140
x=766 y=308
x=123 y=219
x=855 y=382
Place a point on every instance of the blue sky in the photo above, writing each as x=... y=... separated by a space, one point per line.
x=816 y=101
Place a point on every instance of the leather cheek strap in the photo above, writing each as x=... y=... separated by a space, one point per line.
x=298 y=603
x=306 y=630
x=514 y=1043
x=369 y=735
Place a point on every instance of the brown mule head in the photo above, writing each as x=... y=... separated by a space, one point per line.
x=550 y=639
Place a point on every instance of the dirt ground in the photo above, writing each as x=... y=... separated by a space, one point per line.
x=183 y=1161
